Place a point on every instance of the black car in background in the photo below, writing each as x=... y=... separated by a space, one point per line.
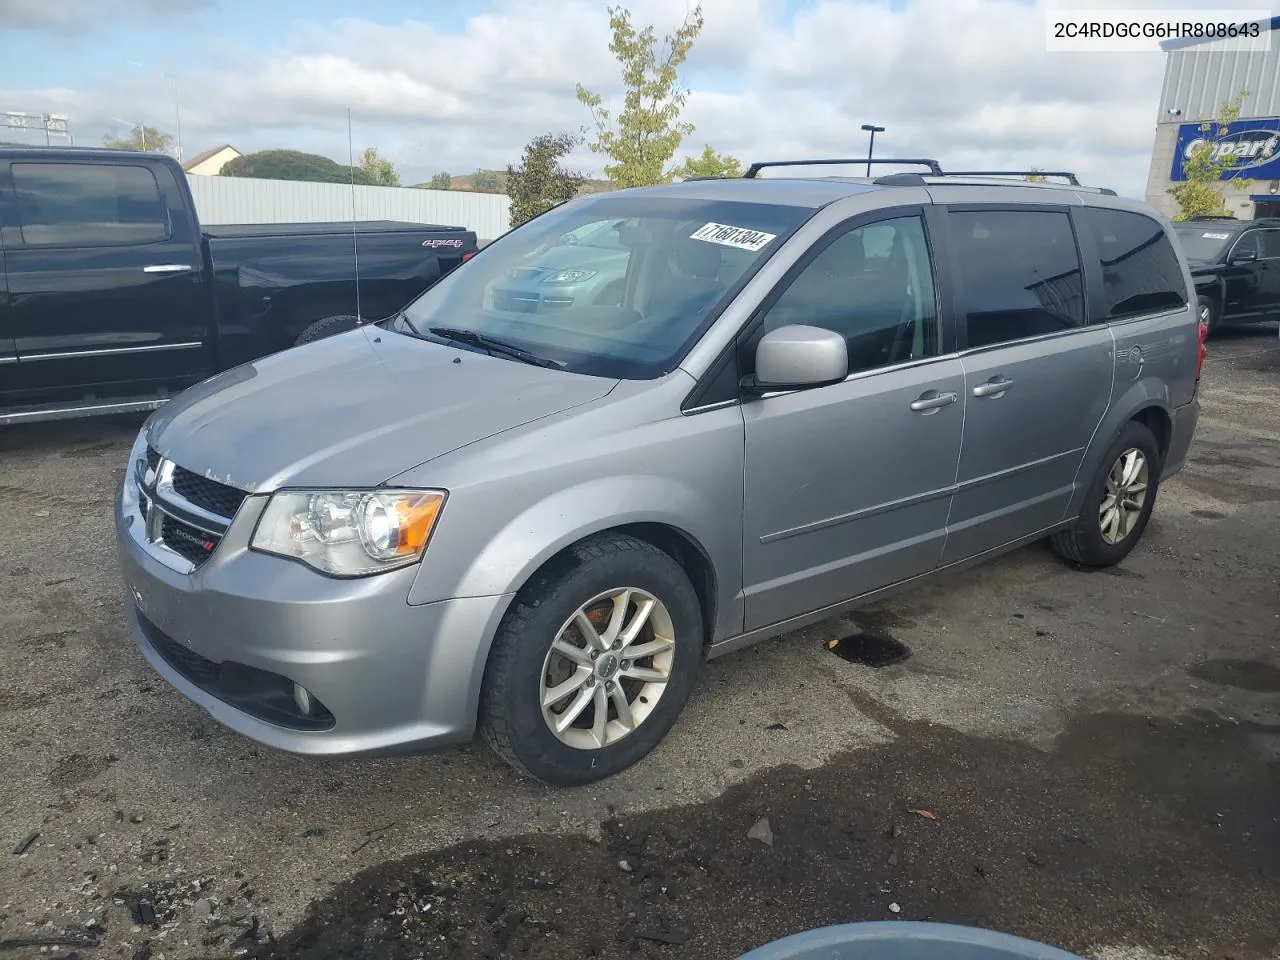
x=114 y=299
x=1236 y=268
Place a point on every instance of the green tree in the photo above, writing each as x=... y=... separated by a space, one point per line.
x=293 y=165
x=540 y=182
x=648 y=130
x=1200 y=194
x=711 y=164
x=379 y=170
x=487 y=181
x=144 y=138
x=441 y=181
x=1035 y=176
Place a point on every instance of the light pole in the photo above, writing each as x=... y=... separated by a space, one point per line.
x=872 y=129
x=177 y=109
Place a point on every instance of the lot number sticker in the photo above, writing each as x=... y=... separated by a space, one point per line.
x=727 y=236
x=1216 y=236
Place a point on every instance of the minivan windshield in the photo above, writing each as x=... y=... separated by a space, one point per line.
x=616 y=286
x=1201 y=242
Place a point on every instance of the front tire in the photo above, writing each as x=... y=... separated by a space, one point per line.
x=1118 y=502
x=593 y=662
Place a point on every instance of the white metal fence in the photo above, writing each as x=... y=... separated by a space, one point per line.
x=244 y=200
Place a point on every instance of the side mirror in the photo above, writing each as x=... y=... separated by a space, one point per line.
x=798 y=356
x=1244 y=256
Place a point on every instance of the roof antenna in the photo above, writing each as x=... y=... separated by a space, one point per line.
x=355 y=246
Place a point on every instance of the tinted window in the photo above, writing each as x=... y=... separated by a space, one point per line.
x=1271 y=244
x=1250 y=242
x=87 y=204
x=1200 y=242
x=874 y=287
x=1140 y=270
x=1019 y=274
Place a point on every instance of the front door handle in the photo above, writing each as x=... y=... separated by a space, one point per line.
x=993 y=387
x=932 y=401
x=168 y=268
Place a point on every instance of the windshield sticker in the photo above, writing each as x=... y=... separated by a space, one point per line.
x=727 y=236
x=1216 y=236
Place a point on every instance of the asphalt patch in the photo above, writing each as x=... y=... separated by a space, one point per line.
x=1084 y=845
x=1253 y=675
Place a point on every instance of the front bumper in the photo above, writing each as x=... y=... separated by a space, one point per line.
x=238 y=632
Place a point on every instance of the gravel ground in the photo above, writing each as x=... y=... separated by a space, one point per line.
x=1088 y=759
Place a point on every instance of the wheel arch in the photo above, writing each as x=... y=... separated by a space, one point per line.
x=1146 y=402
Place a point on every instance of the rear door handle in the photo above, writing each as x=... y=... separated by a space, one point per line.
x=168 y=268
x=931 y=401
x=993 y=387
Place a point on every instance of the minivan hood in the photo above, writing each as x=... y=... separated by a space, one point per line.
x=354 y=410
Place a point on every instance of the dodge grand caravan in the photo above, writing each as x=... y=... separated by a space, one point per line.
x=538 y=516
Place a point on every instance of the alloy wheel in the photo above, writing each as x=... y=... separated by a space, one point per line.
x=1124 y=495
x=607 y=668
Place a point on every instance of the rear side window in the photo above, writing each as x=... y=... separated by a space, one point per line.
x=1140 y=270
x=1271 y=244
x=88 y=204
x=1020 y=274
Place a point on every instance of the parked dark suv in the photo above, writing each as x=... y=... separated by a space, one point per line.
x=1236 y=268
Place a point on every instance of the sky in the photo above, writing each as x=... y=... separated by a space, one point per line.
x=444 y=85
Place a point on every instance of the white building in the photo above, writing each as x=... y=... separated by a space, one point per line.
x=210 y=162
x=1200 y=77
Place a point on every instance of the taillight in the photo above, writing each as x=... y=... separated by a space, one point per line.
x=468 y=255
x=1203 y=349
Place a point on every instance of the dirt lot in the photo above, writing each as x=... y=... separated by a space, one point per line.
x=1088 y=759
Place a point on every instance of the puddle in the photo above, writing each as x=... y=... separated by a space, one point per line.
x=1252 y=675
x=869 y=650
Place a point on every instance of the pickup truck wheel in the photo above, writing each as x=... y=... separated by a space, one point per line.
x=327 y=327
x=593 y=662
x=1118 y=503
x=1208 y=314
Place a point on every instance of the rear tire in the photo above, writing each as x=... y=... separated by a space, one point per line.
x=327 y=327
x=543 y=648
x=1117 y=504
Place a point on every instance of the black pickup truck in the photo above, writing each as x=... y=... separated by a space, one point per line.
x=1236 y=268
x=114 y=299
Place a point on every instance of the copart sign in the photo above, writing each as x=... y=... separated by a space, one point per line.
x=1251 y=148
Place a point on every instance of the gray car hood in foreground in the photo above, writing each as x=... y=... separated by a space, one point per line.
x=354 y=410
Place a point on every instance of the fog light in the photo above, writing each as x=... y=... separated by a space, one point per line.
x=302 y=697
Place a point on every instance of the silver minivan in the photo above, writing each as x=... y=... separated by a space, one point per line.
x=539 y=516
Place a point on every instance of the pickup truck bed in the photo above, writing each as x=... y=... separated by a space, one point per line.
x=114 y=298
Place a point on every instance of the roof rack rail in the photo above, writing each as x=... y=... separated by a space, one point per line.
x=934 y=167
x=1070 y=177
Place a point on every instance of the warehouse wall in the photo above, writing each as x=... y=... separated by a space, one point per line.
x=245 y=200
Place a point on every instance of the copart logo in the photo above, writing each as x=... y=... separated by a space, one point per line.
x=1248 y=148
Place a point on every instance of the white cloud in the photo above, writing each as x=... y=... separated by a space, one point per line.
x=966 y=81
x=75 y=16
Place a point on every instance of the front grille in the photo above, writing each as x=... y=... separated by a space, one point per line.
x=217 y=498
x=187 y=662
x=185 y=540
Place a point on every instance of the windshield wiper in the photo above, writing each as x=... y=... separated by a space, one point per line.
x=494 y=345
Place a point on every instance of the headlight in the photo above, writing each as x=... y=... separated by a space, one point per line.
x=349 y=533
x=569 y=276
